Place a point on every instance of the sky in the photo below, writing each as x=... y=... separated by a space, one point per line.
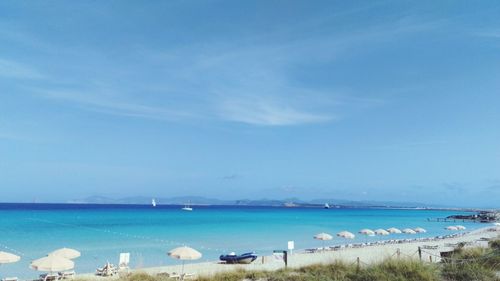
x=360 y=100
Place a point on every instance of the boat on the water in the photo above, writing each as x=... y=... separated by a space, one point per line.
x=187 y=208
x=245 y=258
x=326 y=206
x=153 y=202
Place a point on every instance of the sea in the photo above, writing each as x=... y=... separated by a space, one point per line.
x=102 y=232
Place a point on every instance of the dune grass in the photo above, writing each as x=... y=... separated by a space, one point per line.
x=474 y=264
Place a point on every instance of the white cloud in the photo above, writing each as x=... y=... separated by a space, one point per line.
x=13 y=69
x=268 y=113
x=96 y=101
x=250 y=80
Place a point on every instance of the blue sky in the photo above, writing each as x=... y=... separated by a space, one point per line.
x=364 y=100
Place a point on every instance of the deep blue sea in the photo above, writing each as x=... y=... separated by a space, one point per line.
x=102 y=232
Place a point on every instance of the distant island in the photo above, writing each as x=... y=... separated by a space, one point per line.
x=288 y=202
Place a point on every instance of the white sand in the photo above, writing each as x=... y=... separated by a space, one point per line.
x=367 y=255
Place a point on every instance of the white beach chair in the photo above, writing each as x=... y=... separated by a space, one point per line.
x=67 y=274
x=188 y=276
x=124 y=262
x=50 y=277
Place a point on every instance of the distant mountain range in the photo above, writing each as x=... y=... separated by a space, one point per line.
x=199 y=200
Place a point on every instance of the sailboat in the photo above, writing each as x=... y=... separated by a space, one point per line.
x=187 y=208
x=327 y=206
x=153 y=202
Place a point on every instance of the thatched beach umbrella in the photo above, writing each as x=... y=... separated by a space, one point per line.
x=8 y=258
x=408 y=231
x=346 y=235
x=367 y=232
x=381 y=231
x=66 y=253
x=323 y=237
x=452 y=228
x=420 y=230
x=184 y=253
x=394 y=230
x=52 y=264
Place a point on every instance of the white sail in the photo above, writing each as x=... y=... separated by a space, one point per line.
x=153 y=202
x=187 y=208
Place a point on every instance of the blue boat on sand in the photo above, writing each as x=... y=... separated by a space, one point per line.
x=245 y=258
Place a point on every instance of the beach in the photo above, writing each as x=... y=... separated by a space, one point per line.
x=102 y=232
x=366 y=255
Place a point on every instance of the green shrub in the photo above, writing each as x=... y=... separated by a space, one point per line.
x=475 y=264
x=495 y=245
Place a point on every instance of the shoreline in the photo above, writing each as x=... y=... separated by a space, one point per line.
x=367 y=254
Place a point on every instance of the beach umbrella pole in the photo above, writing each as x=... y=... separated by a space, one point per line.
x=182 y=271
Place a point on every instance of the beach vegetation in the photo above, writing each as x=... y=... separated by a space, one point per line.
x=465 y=264
x=398 y=270
x=468 y=264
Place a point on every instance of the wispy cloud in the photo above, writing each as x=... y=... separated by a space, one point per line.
x=96 y=101
x=251 y=80
x=13 y=69
x=491 y=33
x=268 y=113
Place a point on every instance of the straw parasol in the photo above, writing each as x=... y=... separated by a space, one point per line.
x=394 y=230
x=346 y=235
x=66 y=253
x=8 y=258
x=52 y=263
x=367 y=232
x=460 y=227
x=184 y=253
x=408 y=231
x=381 y=231
x=453 y=228
x=420 y=230
x=323 y=237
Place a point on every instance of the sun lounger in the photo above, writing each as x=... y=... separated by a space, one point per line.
x=67 y=275
x=49 y=277
x=124 y=262
x=107 y=270
x=188 y=276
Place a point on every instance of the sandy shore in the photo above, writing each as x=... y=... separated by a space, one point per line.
x=366 y=255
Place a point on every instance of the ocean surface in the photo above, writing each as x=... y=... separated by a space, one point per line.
x=102 y=232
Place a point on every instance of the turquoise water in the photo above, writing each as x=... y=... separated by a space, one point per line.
x=101 y=233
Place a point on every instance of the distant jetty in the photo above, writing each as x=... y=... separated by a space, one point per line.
x=482 y=216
